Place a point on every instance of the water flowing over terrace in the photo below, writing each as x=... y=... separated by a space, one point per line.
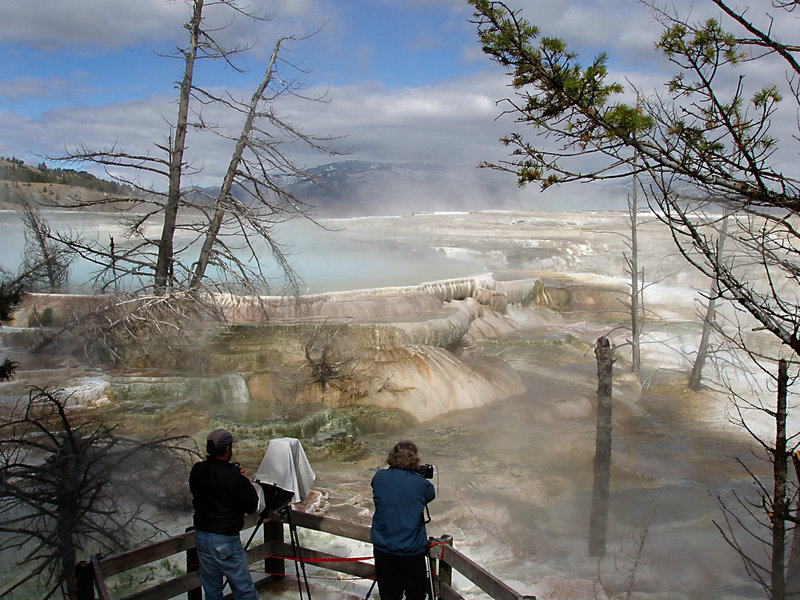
x=492 y=375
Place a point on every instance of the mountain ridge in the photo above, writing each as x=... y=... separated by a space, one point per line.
x=343 y=188
x=357 y=187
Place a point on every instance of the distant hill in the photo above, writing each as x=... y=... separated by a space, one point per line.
x=44 y=185
x=340 y=189
x=14 y=169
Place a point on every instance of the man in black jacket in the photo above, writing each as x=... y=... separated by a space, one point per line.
x=221 y=495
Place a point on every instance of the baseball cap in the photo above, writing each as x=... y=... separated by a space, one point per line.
x=220 y=438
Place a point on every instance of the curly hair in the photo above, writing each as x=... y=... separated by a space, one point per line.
x=403 y=456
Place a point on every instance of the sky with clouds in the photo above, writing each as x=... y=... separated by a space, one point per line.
x=404 y=80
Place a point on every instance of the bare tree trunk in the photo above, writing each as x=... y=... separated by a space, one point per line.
x=708 y=322
x=163 y=270
x=66 y=526
x=598 y=519
x=780 y=505
x=233 y=166
x=66 y=522
x=633 y=264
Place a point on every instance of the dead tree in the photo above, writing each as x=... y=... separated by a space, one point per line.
x=73 y=485
x=252 y=198
x=598 y=518
x=636 y=281
x=709 y=319
x=634 y=303
x=160 y=329
x=626 y=562
x=779 y=513
x=232 y=231
x=250 y=175
x=164 y=268
x=319 y=352
x=44 y=263
x=767 y=518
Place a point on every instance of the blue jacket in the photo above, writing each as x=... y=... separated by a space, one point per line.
x=398 y=525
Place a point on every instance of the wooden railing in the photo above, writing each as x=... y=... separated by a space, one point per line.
x=92 y=574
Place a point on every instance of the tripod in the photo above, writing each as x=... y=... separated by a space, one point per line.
x=299 y=563
x=279 y=501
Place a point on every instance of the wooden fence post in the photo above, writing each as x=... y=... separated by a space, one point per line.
x=273 y=532
x=84 y=578
x=445 y=570
x=192 y=565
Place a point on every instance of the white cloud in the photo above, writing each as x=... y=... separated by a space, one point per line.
x=448 y=123
x=452 y=122
x=50 y=25
x=34 y=87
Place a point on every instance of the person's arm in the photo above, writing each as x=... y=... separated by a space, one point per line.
x=246 y=495
x=429 y=492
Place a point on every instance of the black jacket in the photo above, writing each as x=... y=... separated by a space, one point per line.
x=221 y=496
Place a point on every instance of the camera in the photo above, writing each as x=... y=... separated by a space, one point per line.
x=425 y=470
x=237 y=466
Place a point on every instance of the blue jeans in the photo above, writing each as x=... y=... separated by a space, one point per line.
x=223 y=555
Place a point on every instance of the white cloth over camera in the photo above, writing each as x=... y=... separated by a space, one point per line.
x=285 y=465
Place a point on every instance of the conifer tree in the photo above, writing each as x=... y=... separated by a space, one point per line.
x=10 y=296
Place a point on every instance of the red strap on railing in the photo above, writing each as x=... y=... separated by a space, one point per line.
x=319 y=560
x=442 y=544
x=289 y=576
x=340 y=559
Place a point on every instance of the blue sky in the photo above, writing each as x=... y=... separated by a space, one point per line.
x=89 y=72
x=395 y=43
x=405 y=79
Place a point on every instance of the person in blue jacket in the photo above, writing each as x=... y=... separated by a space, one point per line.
x=399 y=539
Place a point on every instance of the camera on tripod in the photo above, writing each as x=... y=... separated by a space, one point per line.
x=425 y=470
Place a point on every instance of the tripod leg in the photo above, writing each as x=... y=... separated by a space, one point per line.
x=295 y=553
x=300 y=557
x=299 y=563
x=255 y=531
x=429 y=562
x=372 y=587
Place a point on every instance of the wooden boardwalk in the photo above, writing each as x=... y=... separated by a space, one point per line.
x=274 y=551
